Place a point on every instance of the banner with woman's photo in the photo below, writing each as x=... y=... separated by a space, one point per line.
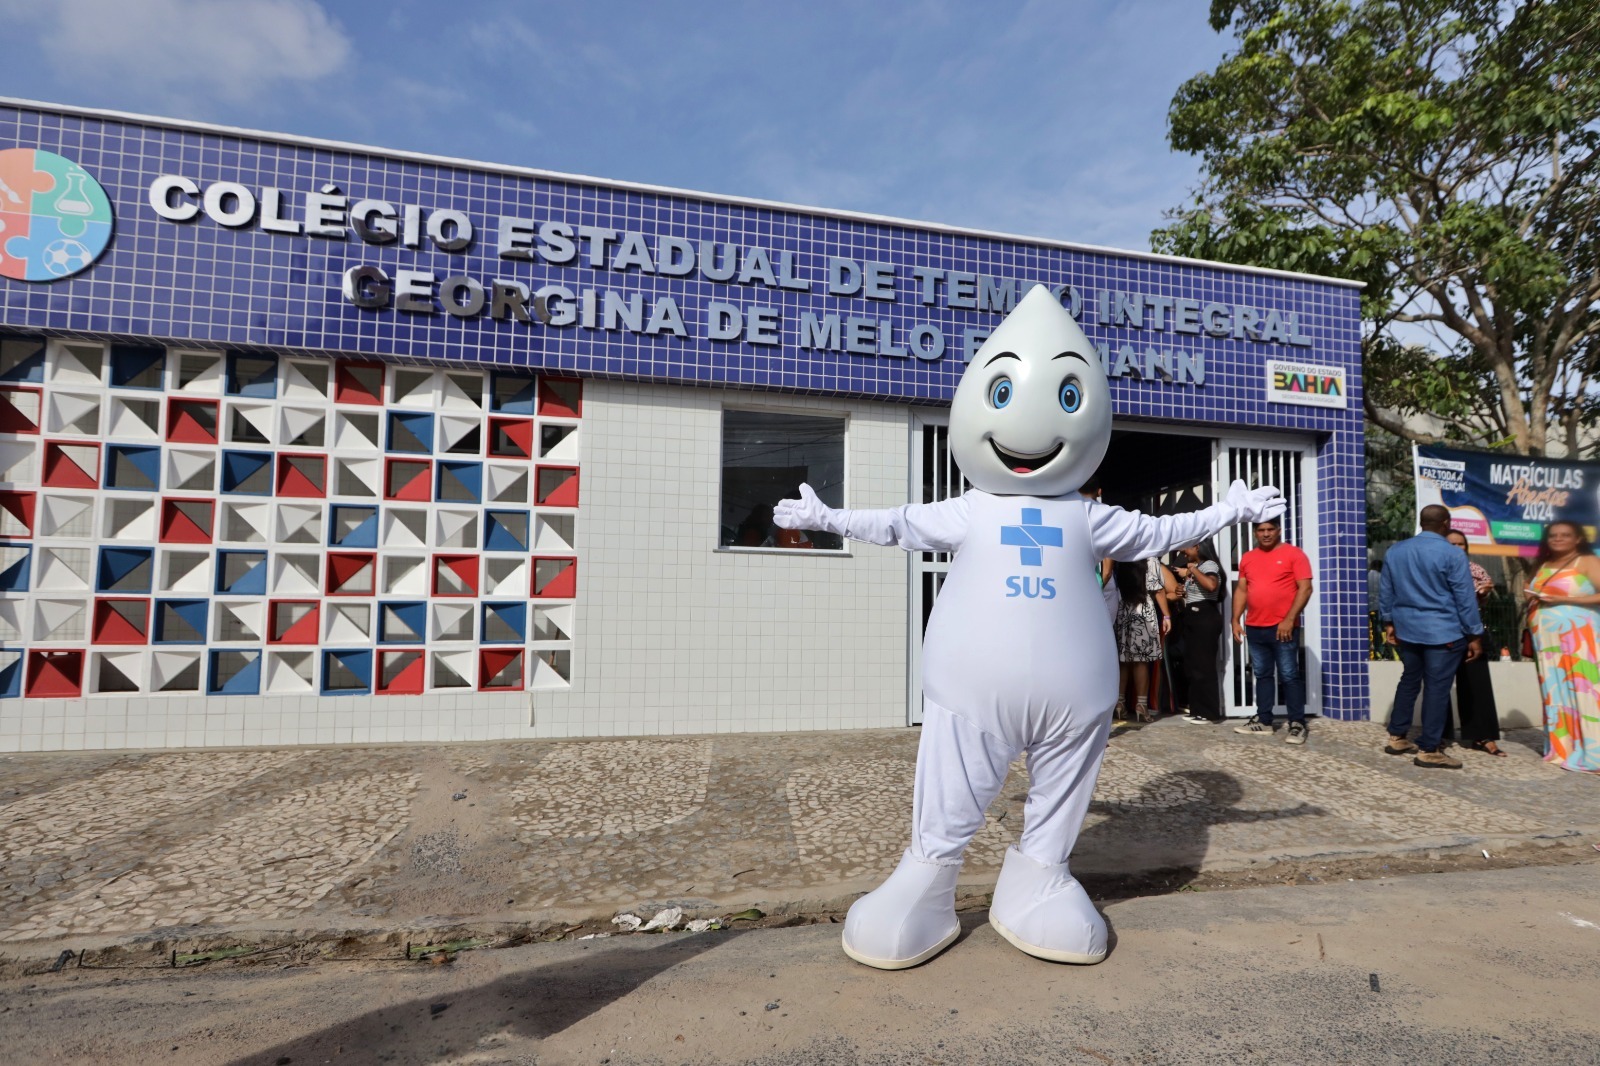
x=1503 y=502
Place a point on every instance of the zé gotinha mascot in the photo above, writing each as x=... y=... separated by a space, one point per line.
x=1018 y=655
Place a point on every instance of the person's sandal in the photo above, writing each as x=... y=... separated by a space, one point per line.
x=1488 y=747
x=1143 y=713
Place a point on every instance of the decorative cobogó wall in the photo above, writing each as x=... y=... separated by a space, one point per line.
x=224 y=523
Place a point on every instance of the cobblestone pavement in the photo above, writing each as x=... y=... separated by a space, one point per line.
x=106 y=844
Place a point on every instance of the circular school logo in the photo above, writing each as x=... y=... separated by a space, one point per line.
x=55 y=219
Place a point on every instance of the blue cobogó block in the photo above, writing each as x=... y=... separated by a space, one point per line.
x=252 y=582
x=238 y=468
x=364 y=534
x=249 y=374
x=22 y=360
x=411 y=614
x=245 y=681
x=358 y=661
x=514 y=616
x=11 y=660
x=499 y=534
x=14 y=574
x=191 y=613
x=125 y=570
x=458 y=482
x=410 y=433
x=130 y=362
x=133 y=467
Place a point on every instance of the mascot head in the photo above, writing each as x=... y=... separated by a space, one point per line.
x=1032 y=415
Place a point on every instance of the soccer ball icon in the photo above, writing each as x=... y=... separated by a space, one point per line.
x=66 y=256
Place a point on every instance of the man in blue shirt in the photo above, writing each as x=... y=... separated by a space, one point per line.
x=1428 y=606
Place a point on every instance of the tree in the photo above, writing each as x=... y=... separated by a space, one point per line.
x=1442 y=152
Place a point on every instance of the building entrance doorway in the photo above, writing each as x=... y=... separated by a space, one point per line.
x=1164 y=471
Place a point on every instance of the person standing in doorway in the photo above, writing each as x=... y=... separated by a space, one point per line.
x=1475 y=706
x=1143 y=620
x=1429 y=608
x=1201 y=574
x=1274 y=588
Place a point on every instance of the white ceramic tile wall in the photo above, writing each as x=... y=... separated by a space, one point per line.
x=672 y=635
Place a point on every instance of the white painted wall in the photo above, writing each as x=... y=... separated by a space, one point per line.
x=675 y=636
x=1516 y=693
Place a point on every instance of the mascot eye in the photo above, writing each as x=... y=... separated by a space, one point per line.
x=1000 y=393
x=1071 y=396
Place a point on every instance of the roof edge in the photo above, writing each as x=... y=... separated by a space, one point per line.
x=658 y=190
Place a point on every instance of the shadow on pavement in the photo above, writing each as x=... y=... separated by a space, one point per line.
x=535 y=1003
x=1169 y=841
x=975 y=921
x=1534 y=740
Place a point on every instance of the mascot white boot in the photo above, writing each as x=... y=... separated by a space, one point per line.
x=1018 y=654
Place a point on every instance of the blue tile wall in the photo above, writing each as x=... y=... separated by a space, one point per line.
x=201 y=283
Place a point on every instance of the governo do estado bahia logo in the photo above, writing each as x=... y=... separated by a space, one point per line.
x=55 y=219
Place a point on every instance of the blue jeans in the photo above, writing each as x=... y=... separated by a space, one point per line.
x=1429 y=669
x=1269 y=655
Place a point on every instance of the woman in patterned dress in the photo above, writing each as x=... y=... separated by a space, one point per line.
x=1138 y=631
x=1564 y=605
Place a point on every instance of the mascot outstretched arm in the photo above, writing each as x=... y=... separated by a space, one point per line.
x=1017 y=656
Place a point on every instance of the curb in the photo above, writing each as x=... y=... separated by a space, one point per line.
x=437 y=939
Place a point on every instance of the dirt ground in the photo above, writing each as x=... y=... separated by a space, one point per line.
x=1488 y=966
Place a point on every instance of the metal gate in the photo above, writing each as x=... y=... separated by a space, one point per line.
x=1290 y=465
x=1292 y=468
x=934 y=477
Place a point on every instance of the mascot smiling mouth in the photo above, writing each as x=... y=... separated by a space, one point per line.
x=1019 y=463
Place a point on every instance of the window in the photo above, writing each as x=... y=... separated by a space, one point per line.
x=765 y=457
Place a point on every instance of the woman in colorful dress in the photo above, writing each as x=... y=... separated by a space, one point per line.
x=1564 y=606
x=1475 y=706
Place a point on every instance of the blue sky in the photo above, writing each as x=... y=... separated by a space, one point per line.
x=1045 y=119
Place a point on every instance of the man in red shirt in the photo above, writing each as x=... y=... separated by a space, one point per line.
x=1274 y=586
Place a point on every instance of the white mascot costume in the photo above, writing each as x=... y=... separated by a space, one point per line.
x=1018 y=655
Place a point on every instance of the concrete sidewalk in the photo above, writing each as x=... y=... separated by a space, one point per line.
x=98 y=848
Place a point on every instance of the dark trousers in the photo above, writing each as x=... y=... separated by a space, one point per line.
x=1427 y=669
x=1202 y=634
x=1174 y=650
x=1480 y=719
x=1276 y=664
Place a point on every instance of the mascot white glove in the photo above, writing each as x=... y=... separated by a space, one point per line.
x=1254 y=505
x=809 y=512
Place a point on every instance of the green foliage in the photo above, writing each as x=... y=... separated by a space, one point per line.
x=1441 y=152
x=1391 y=490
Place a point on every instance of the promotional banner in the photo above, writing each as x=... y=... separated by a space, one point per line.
x=1503 y=502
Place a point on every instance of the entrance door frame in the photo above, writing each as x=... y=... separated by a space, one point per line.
x=927 y=569
x=1236 y=540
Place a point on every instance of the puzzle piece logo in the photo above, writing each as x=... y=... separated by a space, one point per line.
x=55 y=219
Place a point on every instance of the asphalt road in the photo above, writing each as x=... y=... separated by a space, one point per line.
x=1476 y=967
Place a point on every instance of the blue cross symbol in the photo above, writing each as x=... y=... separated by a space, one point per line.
x=1031 y=536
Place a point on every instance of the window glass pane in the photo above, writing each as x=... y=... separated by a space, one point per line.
x=765 y=457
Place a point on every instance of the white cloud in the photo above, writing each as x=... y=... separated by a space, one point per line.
x=233 y=50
